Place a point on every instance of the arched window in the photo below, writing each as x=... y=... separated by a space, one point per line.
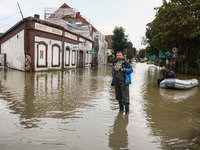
x=67 y=56
x=73 y=57
x=55 y=55
x=42 y=54
x=90 y=58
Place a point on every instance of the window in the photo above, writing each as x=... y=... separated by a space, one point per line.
x=67 y=56
x=73 y=57
x=42 y=55
x=86 y=57
x=55 y=55
x=90 y=59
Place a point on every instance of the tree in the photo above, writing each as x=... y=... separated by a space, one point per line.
x=177 y=23
x=142 y=53
x=119 y=40
x=131 y=51
x=147 y=40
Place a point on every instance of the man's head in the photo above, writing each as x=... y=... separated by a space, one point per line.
x=119 y=56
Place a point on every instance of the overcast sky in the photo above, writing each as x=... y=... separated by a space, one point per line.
x=104 y=15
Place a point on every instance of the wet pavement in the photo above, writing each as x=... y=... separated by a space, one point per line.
x=76 y=109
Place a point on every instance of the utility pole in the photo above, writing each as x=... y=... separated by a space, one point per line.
x=20 y=10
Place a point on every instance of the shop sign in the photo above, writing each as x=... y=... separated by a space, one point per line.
x=85 y=46
x=74 y=47
x=48 y=29
x=71 y=36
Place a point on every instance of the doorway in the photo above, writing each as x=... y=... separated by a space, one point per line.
x=81 y=59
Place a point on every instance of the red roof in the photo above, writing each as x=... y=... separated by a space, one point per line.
x=65 y=6
x=78 y=16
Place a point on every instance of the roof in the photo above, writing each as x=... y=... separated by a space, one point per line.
x=1 y=34
x=79 y=16
x=42 y=22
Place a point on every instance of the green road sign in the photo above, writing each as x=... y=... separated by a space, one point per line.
x=165 y=54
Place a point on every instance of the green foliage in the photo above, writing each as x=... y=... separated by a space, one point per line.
x=142 y=53
x=119 y=40
x=194 y=71
x=131 y=51
x=177 y=23
x=111 y=58
x=193 y=147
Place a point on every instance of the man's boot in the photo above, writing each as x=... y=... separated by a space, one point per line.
x=121 y=105
x=126 y=107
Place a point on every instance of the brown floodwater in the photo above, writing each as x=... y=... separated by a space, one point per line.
x=77 y=110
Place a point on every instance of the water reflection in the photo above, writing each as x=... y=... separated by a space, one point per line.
x=177 y=95
x=118 y=138
x=173 y=115
x=49 y=94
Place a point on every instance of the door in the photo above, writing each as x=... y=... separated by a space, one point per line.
x=81 y=59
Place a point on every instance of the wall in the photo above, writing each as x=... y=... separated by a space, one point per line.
x=14 y=49
x=101 y=52
x=70 y=65
x=49 y=44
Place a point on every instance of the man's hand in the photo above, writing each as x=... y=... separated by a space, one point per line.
x=122 y=70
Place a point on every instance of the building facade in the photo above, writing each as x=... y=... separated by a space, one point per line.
x=63 y=40
x=109 y=39
x=34 y=45
x=73 y=21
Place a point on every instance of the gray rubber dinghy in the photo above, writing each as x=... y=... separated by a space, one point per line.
x=178 y=84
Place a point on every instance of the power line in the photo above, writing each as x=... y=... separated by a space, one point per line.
x=6 y=24
x=9 y=16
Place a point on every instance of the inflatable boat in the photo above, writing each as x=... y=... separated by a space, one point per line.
x=179 y=84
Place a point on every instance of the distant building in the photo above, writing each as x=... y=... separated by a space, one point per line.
x=106 y=51
x=72 y=20
x=109 y=39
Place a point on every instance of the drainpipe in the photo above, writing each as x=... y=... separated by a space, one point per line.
x=63 y=45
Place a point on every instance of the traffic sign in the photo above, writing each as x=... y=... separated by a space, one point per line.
x=174 y=55
x=165 y=54
x=174 y=49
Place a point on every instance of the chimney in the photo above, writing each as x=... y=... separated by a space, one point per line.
x=37 y=16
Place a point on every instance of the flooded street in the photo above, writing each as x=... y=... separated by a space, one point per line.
x=77 y=110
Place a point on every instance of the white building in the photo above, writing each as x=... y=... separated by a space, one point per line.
x=33 y=45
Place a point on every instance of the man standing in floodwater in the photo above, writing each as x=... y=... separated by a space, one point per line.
x=121 y=79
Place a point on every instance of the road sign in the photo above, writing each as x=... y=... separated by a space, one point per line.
x=165 y=54
x=174 y=49
x=174 y=55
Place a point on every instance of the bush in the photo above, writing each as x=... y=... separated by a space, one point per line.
x=194 y=71
x=111 y=58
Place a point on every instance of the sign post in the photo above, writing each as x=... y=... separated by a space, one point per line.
x=175 y=52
